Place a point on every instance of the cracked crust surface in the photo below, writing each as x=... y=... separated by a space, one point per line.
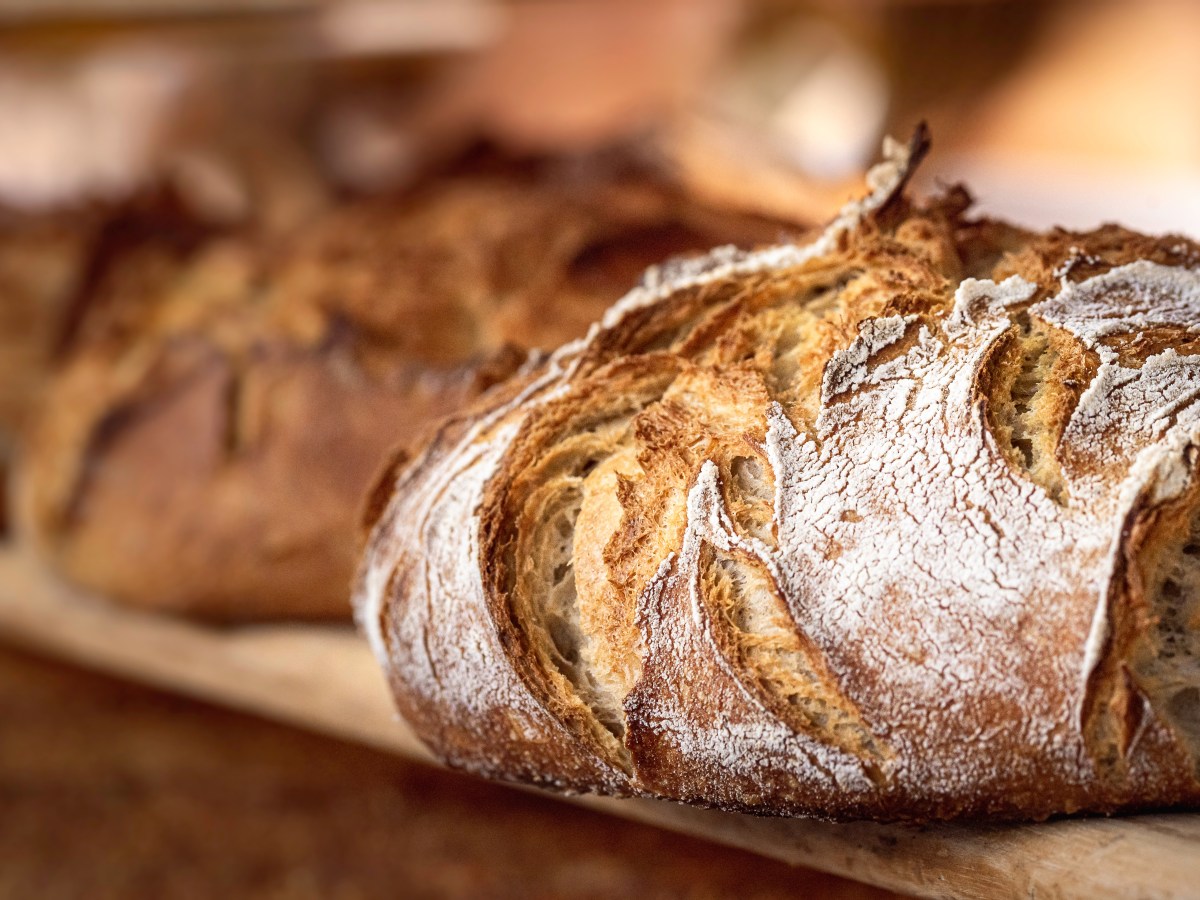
x=898 y=524
x=210 y=458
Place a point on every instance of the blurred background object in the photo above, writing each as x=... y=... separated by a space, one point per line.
x=104 y=93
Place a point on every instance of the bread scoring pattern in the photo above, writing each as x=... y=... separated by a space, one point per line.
x=875 y=526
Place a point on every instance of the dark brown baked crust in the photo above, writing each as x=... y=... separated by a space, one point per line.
x=898 y=524
x=210 y=456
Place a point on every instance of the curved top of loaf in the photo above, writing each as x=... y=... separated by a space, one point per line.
x=871 y=525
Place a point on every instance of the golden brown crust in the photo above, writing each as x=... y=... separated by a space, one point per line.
x=874 y=526
x=210 y=456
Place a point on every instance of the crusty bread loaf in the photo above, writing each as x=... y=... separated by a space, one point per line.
x=211 y=456
x=903 y=523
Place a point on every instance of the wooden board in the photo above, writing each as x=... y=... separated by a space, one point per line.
x=322 y=677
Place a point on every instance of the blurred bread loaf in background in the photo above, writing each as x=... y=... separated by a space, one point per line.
x=209 y=455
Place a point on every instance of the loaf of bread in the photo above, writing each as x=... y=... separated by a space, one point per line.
x=903 y=523
x=210 y=457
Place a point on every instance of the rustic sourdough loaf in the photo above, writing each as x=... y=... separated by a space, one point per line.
x=211 y=456
x=903 y=523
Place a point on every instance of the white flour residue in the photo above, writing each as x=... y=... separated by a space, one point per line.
x=895 y=513
x=754 y=739
x=1130 y=424
x=899 y=508
x=1126 y=300
x=845 y=370
x=977 y=300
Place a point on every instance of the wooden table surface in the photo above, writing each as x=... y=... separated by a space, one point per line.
x=113 y=790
